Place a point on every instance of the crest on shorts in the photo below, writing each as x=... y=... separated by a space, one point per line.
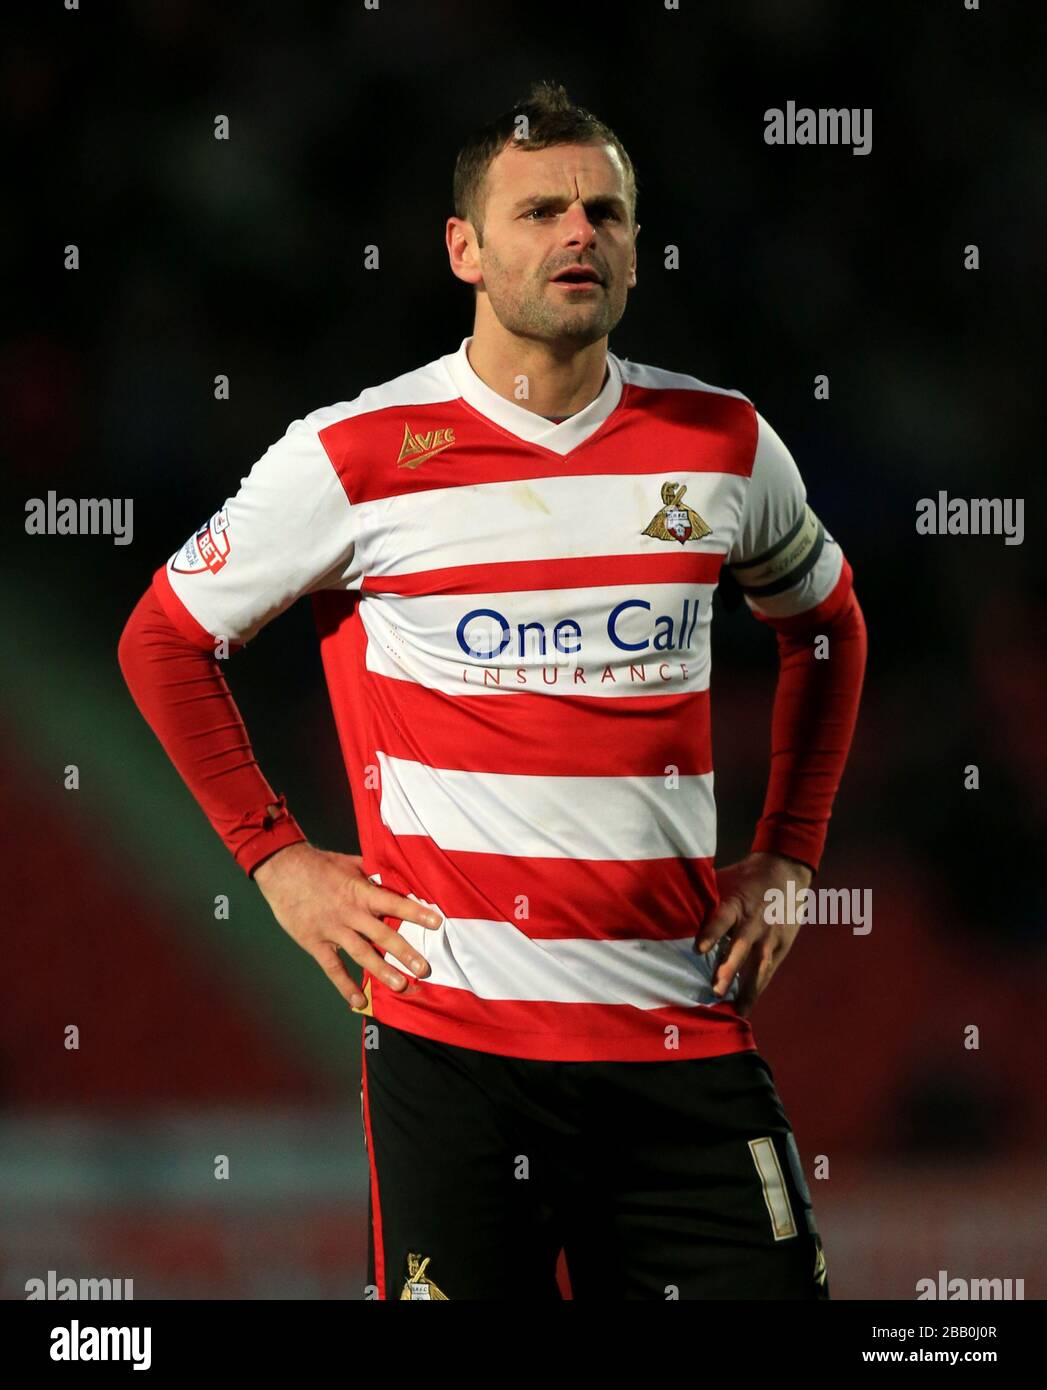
x=675 y=522
x=418 y=1284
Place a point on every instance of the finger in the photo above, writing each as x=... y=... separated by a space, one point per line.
x=383 y=902
x=360 y=950
x=723 y=919
x=359 y=923
x=331 y=963
x=730 y=965
x=754 y=977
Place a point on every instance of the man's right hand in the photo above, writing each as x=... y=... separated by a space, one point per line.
x=325 y=902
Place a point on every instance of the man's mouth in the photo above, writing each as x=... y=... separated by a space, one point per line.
x=577 y=277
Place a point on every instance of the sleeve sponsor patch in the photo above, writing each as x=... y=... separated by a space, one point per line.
x=207 y=550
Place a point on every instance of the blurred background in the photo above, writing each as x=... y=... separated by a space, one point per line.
x=245 y=257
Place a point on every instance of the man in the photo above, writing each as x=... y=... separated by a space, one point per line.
x=512 y=553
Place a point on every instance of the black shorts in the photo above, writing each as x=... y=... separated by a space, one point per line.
x=675 y=1179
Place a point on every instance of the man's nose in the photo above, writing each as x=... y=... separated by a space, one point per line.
x=576 y=227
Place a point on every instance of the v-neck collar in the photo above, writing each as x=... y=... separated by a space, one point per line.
x=525 y=424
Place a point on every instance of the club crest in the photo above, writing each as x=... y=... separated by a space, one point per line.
x=418 y=1284
x=675 y=522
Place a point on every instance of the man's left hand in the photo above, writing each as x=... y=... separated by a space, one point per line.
x=756 y=948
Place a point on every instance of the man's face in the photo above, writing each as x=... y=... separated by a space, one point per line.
x=546 y=211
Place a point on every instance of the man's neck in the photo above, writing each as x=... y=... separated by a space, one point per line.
x=535 y=376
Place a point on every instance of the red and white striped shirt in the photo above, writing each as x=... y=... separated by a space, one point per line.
x=514 y=617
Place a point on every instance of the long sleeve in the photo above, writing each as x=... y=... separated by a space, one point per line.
x=288 y=531
x=181 y=692
x=815 y=712
x=794 y=576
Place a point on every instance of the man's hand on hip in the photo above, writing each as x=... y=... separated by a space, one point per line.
x=325 y=902
x=754 y=947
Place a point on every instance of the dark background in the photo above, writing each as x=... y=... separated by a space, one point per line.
x=246 y=257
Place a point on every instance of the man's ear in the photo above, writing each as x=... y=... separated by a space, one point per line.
x=462 y=250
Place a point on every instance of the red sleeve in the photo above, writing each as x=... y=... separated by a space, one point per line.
x=179 y=687
x=815 y=711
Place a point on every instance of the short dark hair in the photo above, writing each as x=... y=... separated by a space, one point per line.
x=552 y=119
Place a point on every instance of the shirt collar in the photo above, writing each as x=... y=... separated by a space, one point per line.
x=525 y=424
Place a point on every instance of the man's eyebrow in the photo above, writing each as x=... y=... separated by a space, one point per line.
x=542 y=200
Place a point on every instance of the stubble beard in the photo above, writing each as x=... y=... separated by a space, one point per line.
x=526 y=308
